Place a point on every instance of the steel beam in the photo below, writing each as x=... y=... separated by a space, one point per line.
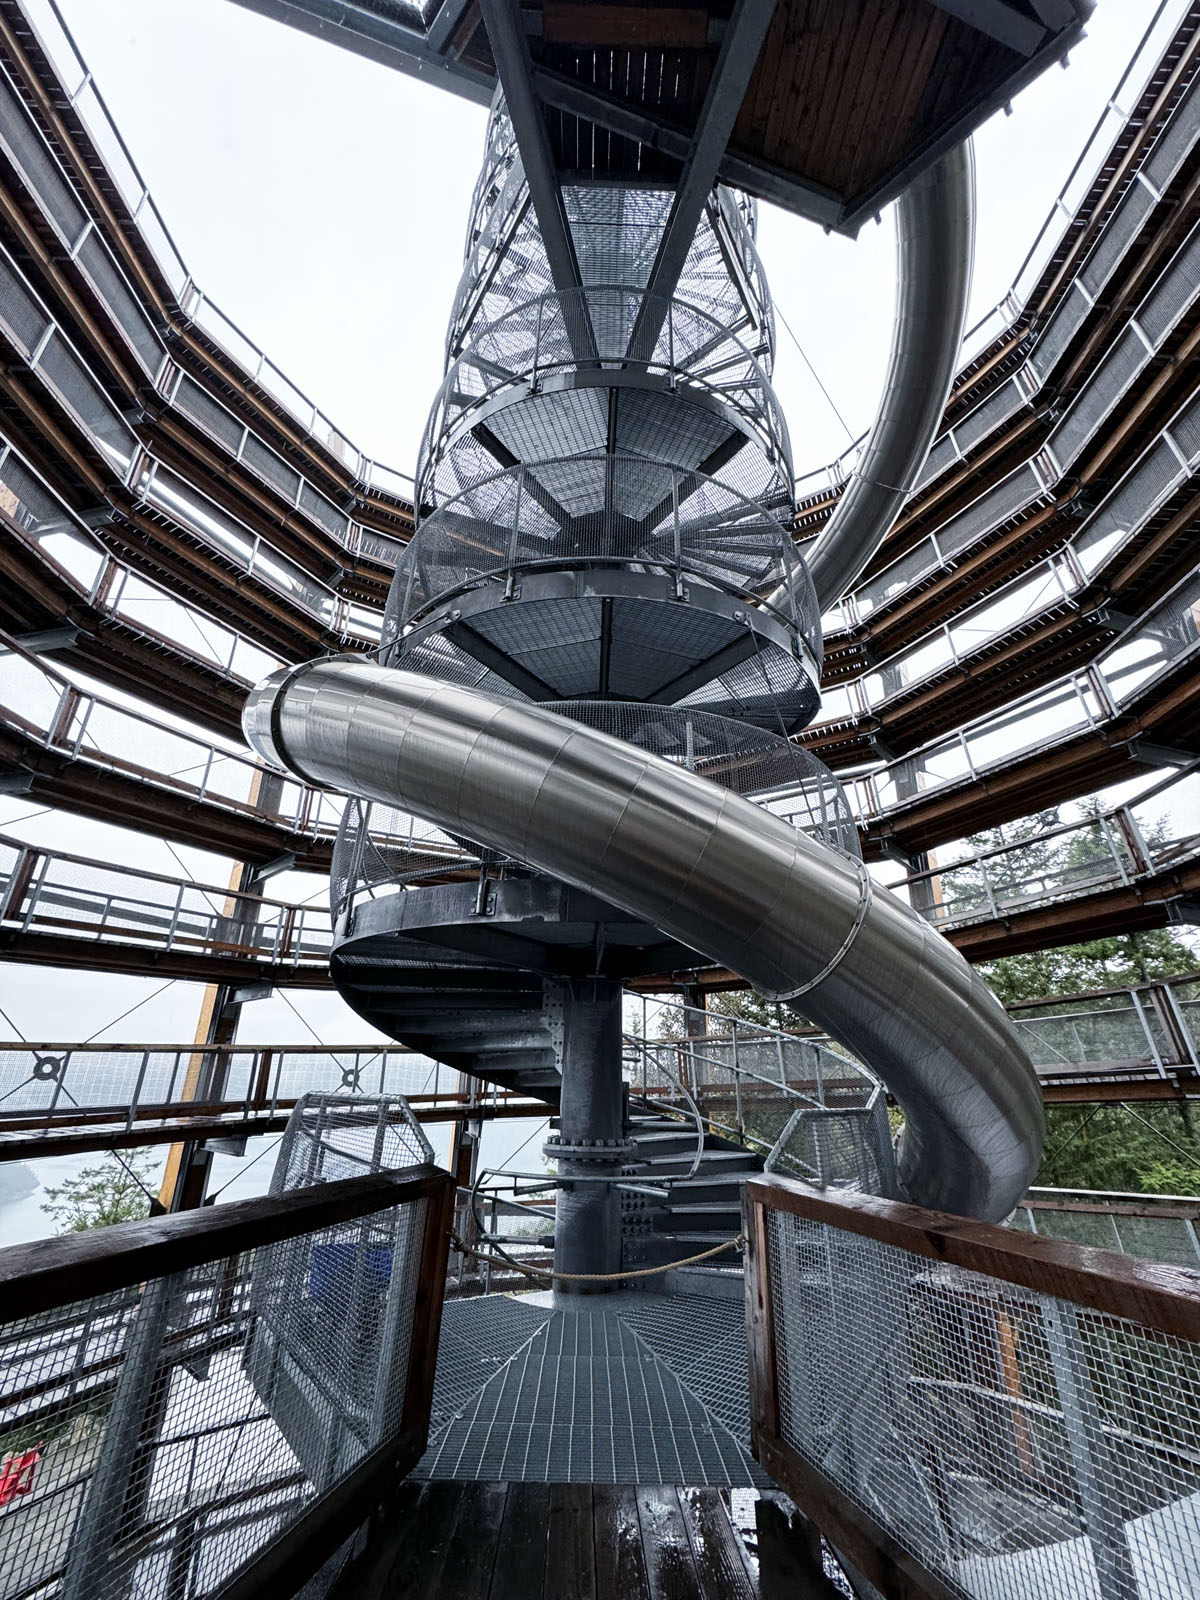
x=726 y=91
x=380 y=39
x=515 y=68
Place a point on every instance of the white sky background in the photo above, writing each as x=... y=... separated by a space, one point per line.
x=320 y=201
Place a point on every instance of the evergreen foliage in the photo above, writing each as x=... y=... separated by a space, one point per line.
x=1150 y=1149
x=1144 y=1149
x=1110 y=963
x=114 y=1190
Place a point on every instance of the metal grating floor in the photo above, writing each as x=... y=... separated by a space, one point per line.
x=637 y=1388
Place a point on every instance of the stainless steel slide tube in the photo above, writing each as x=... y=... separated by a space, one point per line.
x=793 y=917
x=935 y=238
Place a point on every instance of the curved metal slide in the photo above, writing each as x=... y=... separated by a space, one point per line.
x=798 y=920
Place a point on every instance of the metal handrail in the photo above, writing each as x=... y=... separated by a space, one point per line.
x=440 y=434
x=670 y=1180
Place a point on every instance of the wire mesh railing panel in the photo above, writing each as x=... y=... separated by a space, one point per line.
x=1109 y=1032
x=1011 y=1442
x=332 y=1136
x=80 y=899
x=1168 y=634
x=155 y=1438
x=1170 y=1239
x=746 y=1082
x=1151 y=1227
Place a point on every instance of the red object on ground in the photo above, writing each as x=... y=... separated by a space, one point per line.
x=16 y=1475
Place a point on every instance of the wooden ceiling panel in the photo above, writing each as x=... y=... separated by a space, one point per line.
x=848 y=102
x=870 y=80
x=621 y=26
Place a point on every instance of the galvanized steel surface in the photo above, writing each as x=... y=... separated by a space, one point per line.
x=707 y=867
x=935 y=240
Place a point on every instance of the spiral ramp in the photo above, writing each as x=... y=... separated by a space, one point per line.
x=595 y=651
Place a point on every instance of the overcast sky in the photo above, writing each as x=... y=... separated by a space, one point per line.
x=320 y=200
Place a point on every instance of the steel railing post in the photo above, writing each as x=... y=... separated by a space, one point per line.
x=1084 y=1425
x=737 y=1083
x=137 y=1088
x=1155 y=1054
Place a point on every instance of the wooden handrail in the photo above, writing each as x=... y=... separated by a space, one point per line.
x=1157 y=1296
x=51 y=1273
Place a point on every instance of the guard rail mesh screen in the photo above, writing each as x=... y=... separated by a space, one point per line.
x=1019 y=1446
x=154 y=1438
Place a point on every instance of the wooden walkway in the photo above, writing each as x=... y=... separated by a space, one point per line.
x=559 y=1541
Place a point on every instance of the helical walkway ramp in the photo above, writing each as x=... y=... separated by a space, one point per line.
x=596 y=651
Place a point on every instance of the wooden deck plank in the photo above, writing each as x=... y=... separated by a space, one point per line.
x=670 y=1564
x=520 y=1566
x=387 y=1530
x=467 y=1574
x=722 y=1565
x=533 y=1541
x=406 y=1546
x=620 y=1564
x=570 y=1547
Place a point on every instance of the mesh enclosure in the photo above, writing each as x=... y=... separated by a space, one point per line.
x=330 y=1136
x=155 y=1438
x=1174 y=143
x=839 y=1147
x=342 y=1293
x=608 y=509
x=1108 y=387
x=1016 y=1444
x=602 y=425
x=332 y=1320
x=1135 y=498
x=615 y=232
x=130 y=1081
x=541 y=340
x=1103 y=1031
x=95 y=258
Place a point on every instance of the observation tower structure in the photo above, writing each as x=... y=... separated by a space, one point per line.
x=595 y=651
x=577 y=749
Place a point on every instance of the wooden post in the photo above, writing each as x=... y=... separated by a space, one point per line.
x=790 y=1565
x=760 y=1328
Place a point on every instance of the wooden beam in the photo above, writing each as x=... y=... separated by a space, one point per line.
x=886 y=1563
x=625 y=27
x=52 y=1273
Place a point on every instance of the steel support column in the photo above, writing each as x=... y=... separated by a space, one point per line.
x=515 y=68
x=591 y=1146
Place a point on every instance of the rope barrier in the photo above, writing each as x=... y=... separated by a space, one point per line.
x=459 y=1244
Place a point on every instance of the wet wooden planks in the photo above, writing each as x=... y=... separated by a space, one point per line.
x=532 y=1541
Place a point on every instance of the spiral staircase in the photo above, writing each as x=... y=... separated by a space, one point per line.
x=604 y=501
